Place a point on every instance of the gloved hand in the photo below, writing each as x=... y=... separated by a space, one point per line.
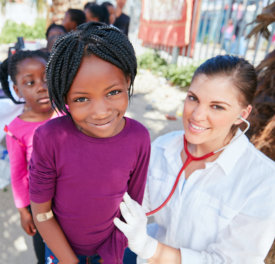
x=135 y=228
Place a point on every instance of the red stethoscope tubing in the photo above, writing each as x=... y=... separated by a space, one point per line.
x=190 y=158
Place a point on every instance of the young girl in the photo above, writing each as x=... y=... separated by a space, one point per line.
x=94 y=154
x=27 y=71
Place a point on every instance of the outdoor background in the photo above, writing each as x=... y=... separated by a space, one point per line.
x=164 y=74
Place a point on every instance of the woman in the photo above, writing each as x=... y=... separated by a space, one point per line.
x=222 y=210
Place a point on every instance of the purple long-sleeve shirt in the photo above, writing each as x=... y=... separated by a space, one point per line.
x=86 y=178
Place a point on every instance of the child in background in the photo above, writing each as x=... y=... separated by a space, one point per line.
x=73 y=18
x=94 y=154
x=27 y=71
x=96 y=13
x=112 y=11
x=53 y=32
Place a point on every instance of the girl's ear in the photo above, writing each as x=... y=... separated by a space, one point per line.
x=15 y=88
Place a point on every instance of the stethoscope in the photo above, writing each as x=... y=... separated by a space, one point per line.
x=191 y=158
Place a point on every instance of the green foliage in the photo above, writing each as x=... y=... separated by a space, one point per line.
x=180 y=76
x=11 y=30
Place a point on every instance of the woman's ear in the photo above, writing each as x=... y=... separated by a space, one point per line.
x=244 y=114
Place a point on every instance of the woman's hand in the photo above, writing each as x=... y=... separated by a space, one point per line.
x=27 y=221
x=135 y=228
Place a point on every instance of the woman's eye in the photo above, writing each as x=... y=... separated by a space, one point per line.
x=81 y=99
x=192 y=98
x=114 y=92
x=217 y=107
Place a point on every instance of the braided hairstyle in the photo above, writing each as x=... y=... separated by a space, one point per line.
x=106 y=42
x=9 y=67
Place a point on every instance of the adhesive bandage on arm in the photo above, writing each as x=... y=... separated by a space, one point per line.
x=44 y=216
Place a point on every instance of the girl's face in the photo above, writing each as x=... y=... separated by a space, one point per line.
x=211 y=107
x=98 y=98
x=31 y=84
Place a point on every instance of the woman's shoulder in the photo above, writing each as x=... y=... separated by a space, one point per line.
x=259 y=159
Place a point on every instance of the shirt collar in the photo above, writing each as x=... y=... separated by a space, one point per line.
x=226 y=160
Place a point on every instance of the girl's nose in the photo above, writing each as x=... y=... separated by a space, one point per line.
x=42 y=86
x=100 y=109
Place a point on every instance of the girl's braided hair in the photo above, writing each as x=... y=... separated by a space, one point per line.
x=106 y=42
x=9 y=67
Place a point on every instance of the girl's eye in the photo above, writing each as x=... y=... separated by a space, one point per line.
x=217 y=107
x=30 y=83
x=81 y=99
x=114 y=92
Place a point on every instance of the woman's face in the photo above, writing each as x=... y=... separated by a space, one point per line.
x=211 y=107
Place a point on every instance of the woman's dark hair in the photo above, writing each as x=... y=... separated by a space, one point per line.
x=77 y=15
x=99 y=11
x=242 y=73
x=106 y=42
x=52 y=26
x=9 y=67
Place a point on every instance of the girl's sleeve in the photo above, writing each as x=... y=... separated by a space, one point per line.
x=117 y=243
x=42 y=168
x=138 y=178
x=19 y=172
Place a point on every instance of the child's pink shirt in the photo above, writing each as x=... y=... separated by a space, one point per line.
x=19 y=155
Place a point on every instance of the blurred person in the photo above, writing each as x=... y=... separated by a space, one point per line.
x=228 y=35
x=96 y=13
x=73 y=18
x=112 y=11
x=122 y=20
x=52 y=34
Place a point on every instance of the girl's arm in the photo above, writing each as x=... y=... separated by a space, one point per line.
x=53 y=235
x=19 y=172
x=20 y=183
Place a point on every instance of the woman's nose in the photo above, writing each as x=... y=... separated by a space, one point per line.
x=199 y=113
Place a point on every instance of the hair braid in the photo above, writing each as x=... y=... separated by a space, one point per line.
x=106 y=42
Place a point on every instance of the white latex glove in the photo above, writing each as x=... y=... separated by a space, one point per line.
x=135 y=228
